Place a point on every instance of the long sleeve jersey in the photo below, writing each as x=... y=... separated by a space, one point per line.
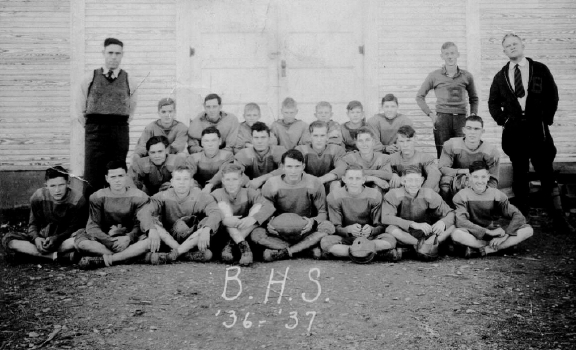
x=107 y=209
x=345 y=209
x=387 y=129
x=378 y=166
x=477 y=212
x=290 y=135
x=177 y=135
x=452 y=93
x=227 y=124
x=64 y=216
x=399 y=208
x=424 y=161
x=149 y=177
x=321 y=163
x=206 y=167
x=306 y=198
x=456 y=155
x=245 y=137
x=244 y=200
x=349 y=137
x=165 y=208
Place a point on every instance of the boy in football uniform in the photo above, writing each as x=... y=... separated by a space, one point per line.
x=181 y=219
x=415 y=213
x=152 y=173
x=324 y=114
x=57 y=214
x=175 y=131
x=476 y=209
x=320 y=156
x=355 y=211
x=355 y=112
x=387 y=123
x=243 y=209
x=113 y=231
x=206 y=163
x=290 y=131
x=459 y=153
x=409 y=156
x=251 y=116
x=376 y=165
x=299 y=193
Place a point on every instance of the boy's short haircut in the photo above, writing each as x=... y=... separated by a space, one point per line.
x=508 y=35
x=113 y=41
x=355 y=167
x=354 y=104
x=364 y=130
x=183 y=167
x=478 y=165
x=260 y=126
x=317 y=124
x=116 y=164
x=475 y=118
x=390 y=97
x=166 y=101
x=56 y=171
x=213 y=97
x=232 y=168
x=448 y=44
x=289 y=102
x=323 y=104
x=155 y=140
x=406 y=131
x=411 y=169
x=293 y=154
x=211 y=130
x=251 y=107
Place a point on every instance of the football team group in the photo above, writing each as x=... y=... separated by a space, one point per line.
x=230 y=191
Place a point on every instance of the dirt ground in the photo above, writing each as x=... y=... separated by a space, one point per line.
x=523 y=301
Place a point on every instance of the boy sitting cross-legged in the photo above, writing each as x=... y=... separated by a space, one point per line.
x=476 y=208
x=416 y=213
x=113 y=231
x=243 y=209
x=57 y=214
x=191 y=215
x=355 y=211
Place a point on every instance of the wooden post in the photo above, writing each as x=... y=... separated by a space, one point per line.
x=473 y=42
x=185 y=54
x=371 y=89
x=77 y=55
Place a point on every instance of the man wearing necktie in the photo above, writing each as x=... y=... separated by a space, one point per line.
x=523 y=99
x=105 y=105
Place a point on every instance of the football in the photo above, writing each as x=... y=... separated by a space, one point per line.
x=289 y=226
x=362 y=250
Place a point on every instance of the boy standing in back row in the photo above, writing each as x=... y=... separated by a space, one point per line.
x=452 y=87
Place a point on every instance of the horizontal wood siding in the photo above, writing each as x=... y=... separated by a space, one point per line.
x=548 y=29
x=34 y=84
x=410 y=34
x=148 y=30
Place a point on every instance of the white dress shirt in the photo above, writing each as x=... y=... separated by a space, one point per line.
x=525 y=70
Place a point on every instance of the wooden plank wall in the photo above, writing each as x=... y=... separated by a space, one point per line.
x=34 y=84
x=148 y=30
x=548 y=29
x=409 y=37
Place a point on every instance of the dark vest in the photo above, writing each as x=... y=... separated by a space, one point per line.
x=105 y=97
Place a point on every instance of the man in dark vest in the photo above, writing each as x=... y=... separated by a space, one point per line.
x=106 y=105
x=523 y=99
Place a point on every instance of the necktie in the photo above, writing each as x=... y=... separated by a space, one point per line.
x=518 y=87
x=110 y=75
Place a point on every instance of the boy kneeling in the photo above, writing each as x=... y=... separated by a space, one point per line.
x=416 y=213
x=243 y=210
x=113 y=231
x=57 y=214
x=355 y=211
x=476 y=208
